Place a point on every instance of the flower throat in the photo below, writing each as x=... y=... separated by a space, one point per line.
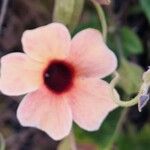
x=58 y=76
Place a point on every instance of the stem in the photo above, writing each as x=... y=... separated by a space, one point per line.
x=3 y=13
x=2 y=142
x=117 y=100
x=72 y=141
x=102 y=18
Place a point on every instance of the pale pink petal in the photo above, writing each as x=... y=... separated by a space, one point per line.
x=91 y=102
x=47 y=112
x=19 y=74
x=91 y=55
x=48 y=41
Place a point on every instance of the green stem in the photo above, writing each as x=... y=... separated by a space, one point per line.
x=102 y=18
x=2 y=142
x=117 y=100
x=72 y=141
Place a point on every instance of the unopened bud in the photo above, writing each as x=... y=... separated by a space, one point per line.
x=146 y=76
x=144 y=97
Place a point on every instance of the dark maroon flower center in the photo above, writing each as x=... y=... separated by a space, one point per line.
x=58 y=76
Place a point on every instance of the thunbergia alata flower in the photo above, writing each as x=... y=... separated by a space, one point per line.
x=62 y=78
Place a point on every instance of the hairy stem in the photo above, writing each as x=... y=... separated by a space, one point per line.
x=102 y=18
x=123 y=103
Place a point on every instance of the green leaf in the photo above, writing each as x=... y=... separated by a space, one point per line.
x=145 y=4
x=63 y=11
x=102 y=137
x=68 y=12
x=131 y=76
x=78 y=7
x=131 y=43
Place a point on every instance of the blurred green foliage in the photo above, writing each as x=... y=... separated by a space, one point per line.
x=63 y=11
x=145 y=4
x=134 y=140
x=92 y=23
x=131 y=43
x=131 y=76
x=68 y=12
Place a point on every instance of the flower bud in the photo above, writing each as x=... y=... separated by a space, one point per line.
x=146 y=76
x=144 y=96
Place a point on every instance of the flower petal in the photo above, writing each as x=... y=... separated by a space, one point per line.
x=42 y=43
x=91 y=102
x=19 y=74
x=46 y=112
x=91 y=55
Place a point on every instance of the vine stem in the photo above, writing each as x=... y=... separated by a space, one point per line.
x=72 y=141
x=2 y=142
x=117 y=100
x=102 y=18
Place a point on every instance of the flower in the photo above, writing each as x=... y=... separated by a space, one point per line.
x=62 y=78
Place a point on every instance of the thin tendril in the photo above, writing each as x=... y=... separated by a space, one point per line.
x=123 y=103
x=102 y=18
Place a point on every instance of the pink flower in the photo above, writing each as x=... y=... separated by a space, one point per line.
x=62 y=78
